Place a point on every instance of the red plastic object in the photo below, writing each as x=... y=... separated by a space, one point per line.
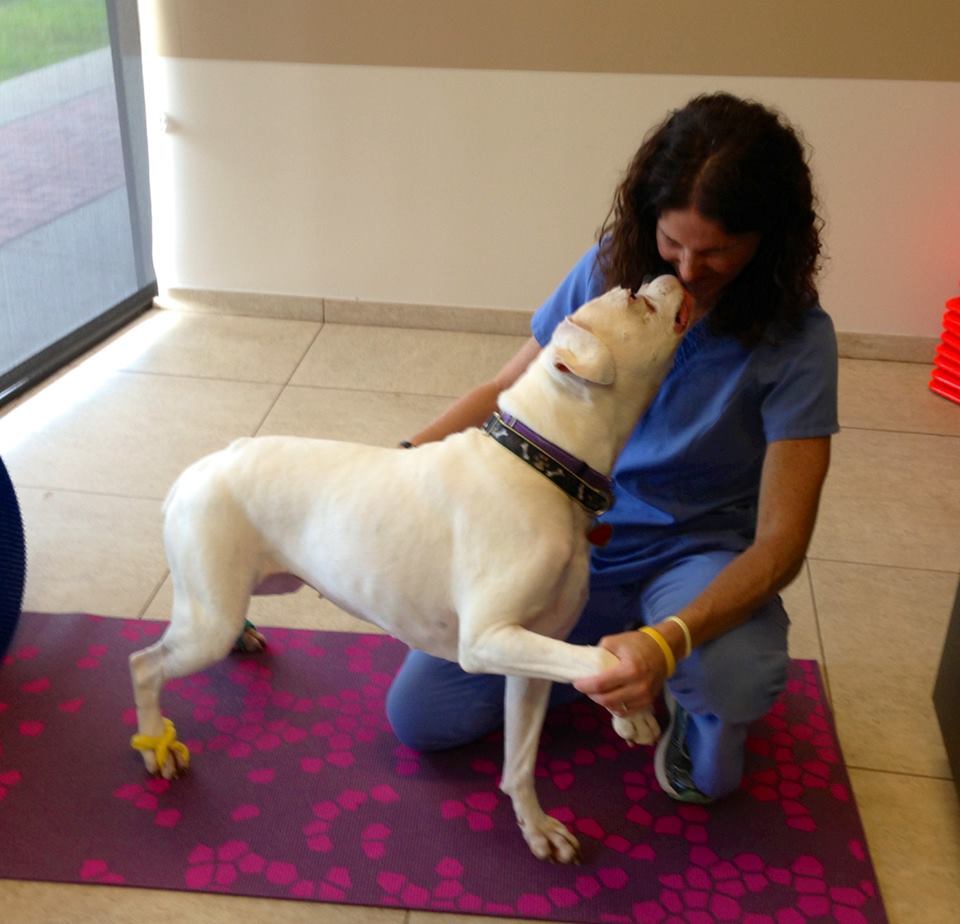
x=945 y=378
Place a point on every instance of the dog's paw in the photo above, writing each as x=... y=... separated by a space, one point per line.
x=638 y=728
x=163 y=755
x=551 y=840
x=250 y=640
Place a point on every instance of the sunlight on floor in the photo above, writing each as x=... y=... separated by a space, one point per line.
x=77 y=386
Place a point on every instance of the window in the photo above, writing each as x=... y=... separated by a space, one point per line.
x=75 y=243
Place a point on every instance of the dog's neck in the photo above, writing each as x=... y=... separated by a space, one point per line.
x=573 y=422
x=590 y=422
x=592 y=490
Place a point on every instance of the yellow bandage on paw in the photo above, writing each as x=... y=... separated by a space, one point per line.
x=163 y=745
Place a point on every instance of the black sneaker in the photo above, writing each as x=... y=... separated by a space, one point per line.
x=671 y=762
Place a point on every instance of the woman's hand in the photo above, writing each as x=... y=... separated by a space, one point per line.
x=793 y=474
x=635 y=683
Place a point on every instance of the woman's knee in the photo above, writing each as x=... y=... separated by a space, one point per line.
x=738 y=676
x=747 y=692
x=409 y=719
x=434 y=704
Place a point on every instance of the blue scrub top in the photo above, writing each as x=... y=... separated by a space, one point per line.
x=689 y=478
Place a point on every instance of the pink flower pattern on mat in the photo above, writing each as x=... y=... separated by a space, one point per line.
x=476 y=809
x=711 y=889
x=8 y=779
x=804 y=755
x=148 y=798
x=99 y=871
x=299 y=790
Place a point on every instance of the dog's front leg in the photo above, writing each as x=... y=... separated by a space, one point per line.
x=511 y=649
x=525 y=705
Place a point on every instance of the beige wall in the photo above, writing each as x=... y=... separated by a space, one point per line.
x=886 y=39
x=299 y=162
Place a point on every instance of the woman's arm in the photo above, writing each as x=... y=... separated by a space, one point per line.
x=790 y=484
x=477 y=405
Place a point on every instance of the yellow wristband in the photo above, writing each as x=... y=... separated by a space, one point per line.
x=686 y=634
x=664 y=647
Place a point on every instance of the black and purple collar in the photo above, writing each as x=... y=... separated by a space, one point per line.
x=588 y=487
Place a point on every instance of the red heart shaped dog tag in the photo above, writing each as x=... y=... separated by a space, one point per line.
x=600 y=534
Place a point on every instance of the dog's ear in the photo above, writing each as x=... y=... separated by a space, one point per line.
x=577 y=350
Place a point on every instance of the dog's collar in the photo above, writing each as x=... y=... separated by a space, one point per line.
x=588 y=487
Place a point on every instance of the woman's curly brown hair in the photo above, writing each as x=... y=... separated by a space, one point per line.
x=738 y=164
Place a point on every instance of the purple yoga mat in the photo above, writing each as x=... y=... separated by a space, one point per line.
x=298 y=790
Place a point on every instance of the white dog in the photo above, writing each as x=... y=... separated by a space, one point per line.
x=458 y=548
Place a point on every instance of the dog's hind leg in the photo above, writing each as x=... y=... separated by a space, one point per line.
x=155 y=738
x=525 y=705
x=188 y=646
x=178 y=653
x=213 y=575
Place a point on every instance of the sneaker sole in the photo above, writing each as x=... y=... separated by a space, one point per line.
x=694 y=797
x=660 y=755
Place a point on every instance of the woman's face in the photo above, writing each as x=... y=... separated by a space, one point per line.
x=703 y=255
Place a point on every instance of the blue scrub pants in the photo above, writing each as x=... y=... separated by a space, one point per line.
x=724 y=685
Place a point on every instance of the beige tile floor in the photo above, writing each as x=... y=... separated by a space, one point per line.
x=94 y=451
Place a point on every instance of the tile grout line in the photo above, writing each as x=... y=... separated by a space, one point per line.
x=820 y=645
x=373 y=391
x=310 y=345
x=86 y=492
x=153 y=594
x=900 y=773
x=878 y=564
x=947 y=436
x=286 y=384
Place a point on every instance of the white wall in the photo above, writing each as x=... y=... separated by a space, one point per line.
x=480 y=187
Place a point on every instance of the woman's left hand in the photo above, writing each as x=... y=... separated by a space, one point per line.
x=633 y=684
